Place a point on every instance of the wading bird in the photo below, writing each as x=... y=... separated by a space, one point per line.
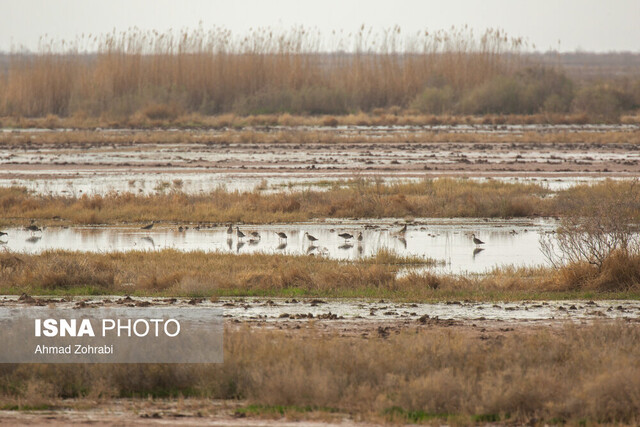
x=255 y=234
x=148 y=227
x=403 y=229
x=2 y=233
x=281 y=235
x=239 y=233
x=230 y=229
x=310 y=237
x=360 y=236
x=476 y=240
x=346 y=236
x=33 y=228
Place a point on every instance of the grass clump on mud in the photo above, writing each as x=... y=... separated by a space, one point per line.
x=199 y=274
x=422 y=374
x=360 y=198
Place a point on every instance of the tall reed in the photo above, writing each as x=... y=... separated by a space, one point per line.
x=215 y=71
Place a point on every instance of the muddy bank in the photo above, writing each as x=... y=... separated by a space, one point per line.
x=357 y=314
x=73 y=166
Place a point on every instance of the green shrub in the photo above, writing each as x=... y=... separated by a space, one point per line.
x=434 y=100
x=599 y=101
x=529 y=91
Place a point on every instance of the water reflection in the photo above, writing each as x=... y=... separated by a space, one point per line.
x=508 y=242
x=476 y=251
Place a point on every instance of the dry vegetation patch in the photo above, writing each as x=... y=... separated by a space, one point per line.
x=352 y=199
x=174 y=273
x=423 y=374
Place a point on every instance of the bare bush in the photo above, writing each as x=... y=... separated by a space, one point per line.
x=599 y=221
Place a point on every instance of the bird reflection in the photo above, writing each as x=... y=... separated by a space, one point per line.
x=476 y=251
x=230 y=244
x=254 y=242
x=239 y=246
x=281 y=246
x=345 y=246
x=403 y=241
x=33 y=239
x=311 y=249
x=150 y=240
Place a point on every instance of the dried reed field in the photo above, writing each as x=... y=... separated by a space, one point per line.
x=138 y=75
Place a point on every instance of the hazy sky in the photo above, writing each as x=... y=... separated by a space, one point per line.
x=592 y=25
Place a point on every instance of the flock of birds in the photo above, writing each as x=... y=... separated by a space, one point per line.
x=254 y=236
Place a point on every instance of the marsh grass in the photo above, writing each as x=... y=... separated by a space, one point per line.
x=173 y=273
x=199 y=273
x=302 y=135
x=390 y=117
x=573 y=374
x=350 y=199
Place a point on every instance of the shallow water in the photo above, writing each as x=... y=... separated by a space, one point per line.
x=507 y=242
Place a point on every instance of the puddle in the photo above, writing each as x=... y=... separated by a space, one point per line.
x=507 y=242
x=280 y=309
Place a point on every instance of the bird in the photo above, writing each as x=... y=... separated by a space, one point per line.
x=230 y=229
x=360 y=236
x=310 y=237
x=2 y=233
x=281 y=235
x=346 y=236
x=180 y=229
x=148 y=226
x=255 y=234
x=403 y=229
x=239 y=233
x=476 y=240
x=33 y=228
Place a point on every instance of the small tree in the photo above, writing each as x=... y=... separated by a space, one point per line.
x=599 y=221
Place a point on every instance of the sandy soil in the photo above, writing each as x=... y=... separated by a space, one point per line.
x=187 y=412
